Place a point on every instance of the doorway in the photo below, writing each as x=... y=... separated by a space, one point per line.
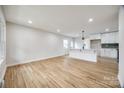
x=96 y=45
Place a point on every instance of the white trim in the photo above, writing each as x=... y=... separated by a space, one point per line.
x=120 y=81
x=1 y=61
x=4 y=69
x=33 y=60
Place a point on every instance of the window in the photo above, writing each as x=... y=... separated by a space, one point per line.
x=71 y=44
x=65 y=44
x=76 y=46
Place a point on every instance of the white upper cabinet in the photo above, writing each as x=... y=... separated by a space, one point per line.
x=117 y=37
x=110 y=37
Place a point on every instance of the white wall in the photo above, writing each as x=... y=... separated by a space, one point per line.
x=26 y=44
x=121 y=46
x=3 y=59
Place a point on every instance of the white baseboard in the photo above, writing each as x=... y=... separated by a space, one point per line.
x=120 y=81
x=2 y=84
x=3 y=71
x=32 y=60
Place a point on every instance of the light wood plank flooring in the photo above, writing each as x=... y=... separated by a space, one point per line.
x=63 y=72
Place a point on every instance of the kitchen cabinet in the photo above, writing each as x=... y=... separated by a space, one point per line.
x=110 y=37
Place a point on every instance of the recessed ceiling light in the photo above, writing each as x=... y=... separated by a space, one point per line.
x=58 y=30
x=90 y=20
x=106 y=29
x=29 y=21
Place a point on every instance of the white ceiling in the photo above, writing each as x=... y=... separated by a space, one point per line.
x=69 y=19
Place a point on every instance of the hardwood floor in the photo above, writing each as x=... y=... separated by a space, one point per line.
x=63 y=72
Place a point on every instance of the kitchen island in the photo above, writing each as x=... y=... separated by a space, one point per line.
x=88 y=55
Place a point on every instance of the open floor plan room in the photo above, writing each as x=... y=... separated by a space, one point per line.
x=61 y=46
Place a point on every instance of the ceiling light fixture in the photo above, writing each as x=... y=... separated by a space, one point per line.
x=106 y=29
x=58 y=30
x=83 y=38
x=29 y=21
x=90 y=20
x=83 y=35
